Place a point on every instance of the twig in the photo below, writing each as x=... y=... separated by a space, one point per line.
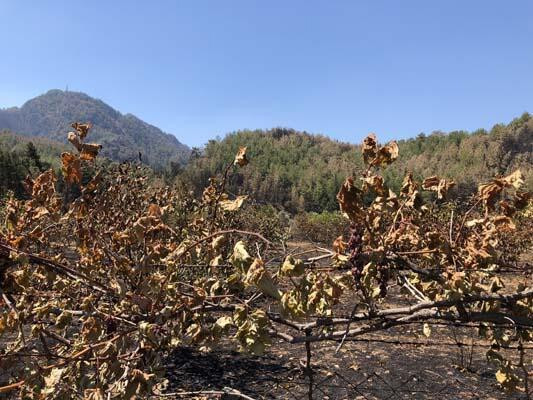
x=524 y=369
x=60 y=269
x=224 y=391
x=354 y=309
x=308 y=366
x=9 y=388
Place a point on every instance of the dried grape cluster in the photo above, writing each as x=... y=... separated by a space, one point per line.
x=354 y=249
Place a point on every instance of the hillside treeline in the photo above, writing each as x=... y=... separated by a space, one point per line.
x=302 y=172
x=21 y=156
x=298 y=171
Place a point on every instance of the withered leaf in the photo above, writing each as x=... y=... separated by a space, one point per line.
x=489 y=192
x=82 y=129
x=259 y=276
x=369 y=148
x=375 y=182
x=89 y=151
x=154 y=210
x=386 y=154
x=350 y=199
x=515 y=179
x=521 y=200
x=74 y=139
x=292 y=267
x=441 y=186
x=503 y=223
x=240 y=158
x=408 y=185
x=71 y=168
x=339 y=245
x=233 y=205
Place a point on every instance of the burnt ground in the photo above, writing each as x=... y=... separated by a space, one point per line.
x=360 y=370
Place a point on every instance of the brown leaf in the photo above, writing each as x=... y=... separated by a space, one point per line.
x=376 y=183
x=386 y=155
x=82 y=129
x=441 y=186
x=503 y=223
x=350 y=200
x=514 y=179
x=93 y=183
x=489 y=192
x=339 y=245
x=240 y=158
x=71 y=168
x=507 y=208
x=89 y=151
x=154 y=210
x=232 y=205
x=408 y=185
x=369 y=148
x=74 y=139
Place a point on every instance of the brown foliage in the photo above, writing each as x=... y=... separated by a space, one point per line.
x=128 y=272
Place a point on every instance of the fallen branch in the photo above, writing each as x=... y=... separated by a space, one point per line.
x=224 y=391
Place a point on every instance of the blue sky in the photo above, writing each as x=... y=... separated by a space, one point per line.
x=342 y=68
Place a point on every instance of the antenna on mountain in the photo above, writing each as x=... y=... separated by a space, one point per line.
x=66 y=89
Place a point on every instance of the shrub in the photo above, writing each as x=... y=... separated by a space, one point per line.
x=322 y=227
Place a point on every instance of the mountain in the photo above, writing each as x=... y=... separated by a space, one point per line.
x=123 y=136
x=303 y=172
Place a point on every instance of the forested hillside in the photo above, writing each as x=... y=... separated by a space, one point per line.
x=21 y=156
x=299 y=171
x=123 y=136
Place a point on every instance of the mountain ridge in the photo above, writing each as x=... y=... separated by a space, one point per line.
x=123 y=136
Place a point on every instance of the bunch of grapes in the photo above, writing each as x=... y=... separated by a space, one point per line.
x=359 y=258
x=355 y=247
x=383 y=278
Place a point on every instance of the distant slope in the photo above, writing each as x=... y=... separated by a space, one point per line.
x=122 y=136
x=299 y=171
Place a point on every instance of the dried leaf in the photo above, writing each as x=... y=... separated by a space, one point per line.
x=240 y=257
x=259 y=276
x=350 y=200
x=375 y=182
x=71 y=168
x=408 y=185
x=515 y=179
x=240 y=158
x=292 y=267
x=386 y=155
x=233 y=205
x=435 y=184
x=369 y=148
x=82 y=129
x=75 y=140
x=89 y=151
x=339 y=245
x=154 y=210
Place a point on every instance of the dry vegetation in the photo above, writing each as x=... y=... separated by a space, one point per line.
x=133 y=291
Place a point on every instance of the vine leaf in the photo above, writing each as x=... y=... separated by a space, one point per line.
x=232 y=205
x=350 y=200
x=438 y=185
x=240 y=158
x=71 y=167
